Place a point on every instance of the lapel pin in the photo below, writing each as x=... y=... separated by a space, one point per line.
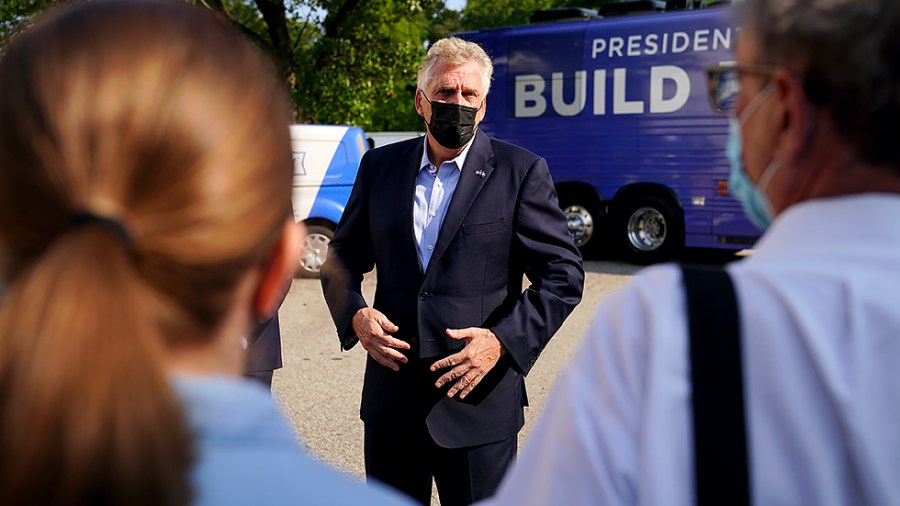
x=479 y=173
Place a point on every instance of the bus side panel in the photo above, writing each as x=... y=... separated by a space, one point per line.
x=621 y=101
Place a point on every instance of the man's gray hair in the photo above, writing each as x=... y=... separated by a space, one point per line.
x=454 y=51
x=847 y=54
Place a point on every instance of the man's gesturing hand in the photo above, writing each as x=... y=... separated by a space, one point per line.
x=374 y=332
x=480 y=355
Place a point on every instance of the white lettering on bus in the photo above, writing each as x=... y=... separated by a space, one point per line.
x=634 y=47
x=721 y=39
x=556 y=91
x=599 y=47
x=530 y=103
x=530 y=100
x=652 y=46
x=680 y=42
x=599 y=91
x=621 y=105
x=615 y=46
x=660 y=104
x=700 y=40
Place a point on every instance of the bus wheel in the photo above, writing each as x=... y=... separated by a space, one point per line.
x=315 y=251
x=651 y=229
x=583 y=220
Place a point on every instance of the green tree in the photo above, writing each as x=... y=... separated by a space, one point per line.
x=480 y=14
x=15 y=13
x=365 y=64
x=444 y=22
x=491 y=13
x=344 y=61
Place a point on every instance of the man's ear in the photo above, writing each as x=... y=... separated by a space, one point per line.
x=278 y=271
x=420 y=110
x=793 y=130
x=482 y=110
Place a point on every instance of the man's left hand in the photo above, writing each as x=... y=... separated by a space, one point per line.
x=472 y=363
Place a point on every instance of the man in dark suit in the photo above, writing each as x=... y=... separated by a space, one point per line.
x=451 y=222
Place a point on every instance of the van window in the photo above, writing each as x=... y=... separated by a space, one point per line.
x=340 y=155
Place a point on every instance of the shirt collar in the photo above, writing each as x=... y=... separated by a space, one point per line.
x=854 y=220
x=460 y=159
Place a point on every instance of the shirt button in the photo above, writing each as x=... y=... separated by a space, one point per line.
x=433 y=215
x=430 y=248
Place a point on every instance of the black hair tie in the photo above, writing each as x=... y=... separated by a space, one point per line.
x=87 y=218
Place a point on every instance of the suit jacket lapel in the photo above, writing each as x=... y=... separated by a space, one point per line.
x=405 y=198
x=475 y=172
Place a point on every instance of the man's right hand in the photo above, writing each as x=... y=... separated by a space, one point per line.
x=374 y=332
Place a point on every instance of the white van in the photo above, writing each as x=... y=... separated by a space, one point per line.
x=378 y=139
x=326 y=159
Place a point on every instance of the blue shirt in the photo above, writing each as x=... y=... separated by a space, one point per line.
x=247 y=453
x=434 y=189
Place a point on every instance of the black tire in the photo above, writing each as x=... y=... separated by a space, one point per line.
x=584 y=219
x=315 y=250
x=650 y=229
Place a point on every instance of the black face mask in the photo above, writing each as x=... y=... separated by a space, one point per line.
x=452 y=125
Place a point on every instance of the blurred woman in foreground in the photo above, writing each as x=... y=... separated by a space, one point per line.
x=145 y=224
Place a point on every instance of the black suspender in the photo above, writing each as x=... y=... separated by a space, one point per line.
x=720 y=436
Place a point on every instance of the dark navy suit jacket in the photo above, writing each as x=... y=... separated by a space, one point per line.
x=503 y=222
x=264 y=352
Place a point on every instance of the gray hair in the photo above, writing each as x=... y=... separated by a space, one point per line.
x=847 y=54
x=455 y=51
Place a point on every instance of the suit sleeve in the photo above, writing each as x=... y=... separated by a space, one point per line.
x=551 y=262
x=350 y=256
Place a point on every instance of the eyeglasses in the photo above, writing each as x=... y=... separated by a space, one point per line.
x=724 y=82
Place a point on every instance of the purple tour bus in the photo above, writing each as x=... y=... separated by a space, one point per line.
x=619 y=108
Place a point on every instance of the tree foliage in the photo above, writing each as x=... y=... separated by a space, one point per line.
x=343 y=61
x=365 y=64
x=490 y=13
x=15 y=13
x=480 y=14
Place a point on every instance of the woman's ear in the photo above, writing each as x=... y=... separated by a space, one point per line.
x=278 y=272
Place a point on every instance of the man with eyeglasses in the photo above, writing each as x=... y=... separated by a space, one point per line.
x=811 y=357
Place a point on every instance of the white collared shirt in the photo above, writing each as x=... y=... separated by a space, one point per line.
x=820 y=322
x=434 y=190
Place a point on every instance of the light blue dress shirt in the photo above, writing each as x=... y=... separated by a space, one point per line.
x=434 y=190
x=248 y=454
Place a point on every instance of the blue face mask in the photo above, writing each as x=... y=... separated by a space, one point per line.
x=753 y=199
